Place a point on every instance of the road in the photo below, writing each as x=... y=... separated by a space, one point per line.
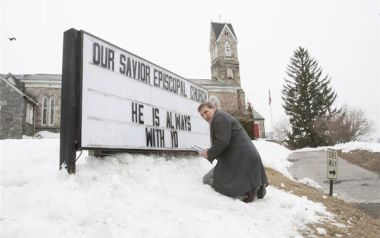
x=354 y=184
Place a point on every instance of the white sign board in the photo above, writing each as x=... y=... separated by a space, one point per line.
x=131 y=103
x=332 y=164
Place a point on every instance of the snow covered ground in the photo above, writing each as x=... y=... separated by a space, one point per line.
x=137 y=196
x=347 y=147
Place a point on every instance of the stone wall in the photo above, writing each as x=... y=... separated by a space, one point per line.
x=12 y=113
x=219 y=71
x=27 y=128
x=227 y=101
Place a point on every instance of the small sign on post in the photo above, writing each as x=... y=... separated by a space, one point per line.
x=332 y=167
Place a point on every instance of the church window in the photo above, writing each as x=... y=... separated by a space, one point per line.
x=51 y=111
x=44 y=116
x=230 y=74
x=48 y=111
x=29 y=113
x=227 y=49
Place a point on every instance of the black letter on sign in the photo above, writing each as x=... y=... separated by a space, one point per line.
x=96 y=53
x=137 y=113
x=111 y=57
x=156 y=118
x=149 y=137
x=188 y=123
x=122 y=64
x=174 y=136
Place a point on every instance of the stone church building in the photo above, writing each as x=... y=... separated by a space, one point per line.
x=224 y=87
x=32 y=103
x=28 y=104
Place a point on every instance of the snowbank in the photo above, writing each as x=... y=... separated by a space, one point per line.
x=274 y=156
x=135 y=196
x=347 y=147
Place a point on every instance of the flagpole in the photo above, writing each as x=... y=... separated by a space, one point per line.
x=271 y=118
x=270 y=108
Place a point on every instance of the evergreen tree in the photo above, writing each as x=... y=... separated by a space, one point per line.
x=307 y=96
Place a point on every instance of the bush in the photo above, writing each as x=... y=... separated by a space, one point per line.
x=348 y=125
x=248 y=127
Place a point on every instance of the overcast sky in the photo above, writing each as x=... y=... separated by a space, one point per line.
x=343 y=35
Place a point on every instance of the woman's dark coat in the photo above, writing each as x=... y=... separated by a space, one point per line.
x=239 y=168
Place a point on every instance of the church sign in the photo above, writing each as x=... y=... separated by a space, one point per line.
x=115 y=100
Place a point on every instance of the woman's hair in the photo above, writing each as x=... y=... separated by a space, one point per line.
x=205 y=104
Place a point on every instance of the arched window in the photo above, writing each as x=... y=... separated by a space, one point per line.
x=44 y=111
x=51 y=110
x=230 y=74
x=227 y=49
x=29 y=113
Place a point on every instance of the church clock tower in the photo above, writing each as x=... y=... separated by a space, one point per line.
x=223 y=51
x=224 y=87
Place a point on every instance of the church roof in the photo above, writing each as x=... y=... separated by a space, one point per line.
x=13 y=83
x=40 y=77
x=206 y=83
x=40 y=80
x=218 y=28
x=257 y=115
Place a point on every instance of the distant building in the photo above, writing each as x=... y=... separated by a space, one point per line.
x=259 y=127
x=224 y=87
x=28 y=104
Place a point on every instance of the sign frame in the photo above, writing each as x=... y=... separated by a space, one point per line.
x=73 y=97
